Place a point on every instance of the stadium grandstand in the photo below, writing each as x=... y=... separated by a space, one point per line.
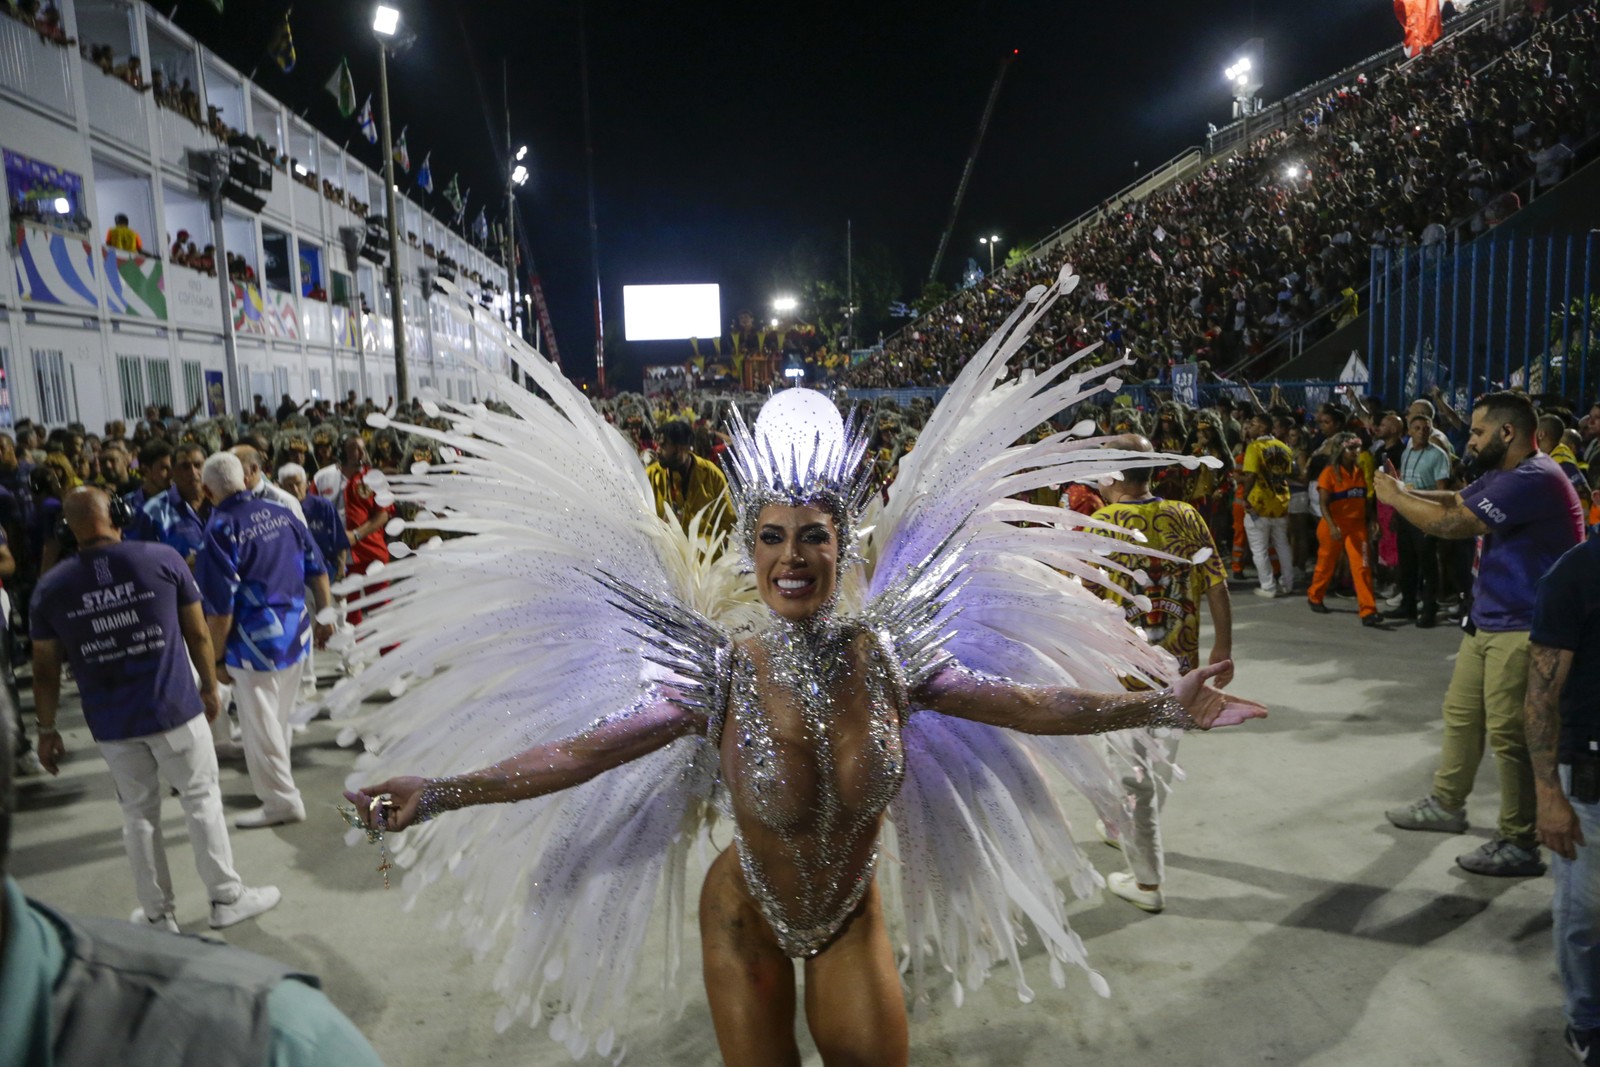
x=1238 y=256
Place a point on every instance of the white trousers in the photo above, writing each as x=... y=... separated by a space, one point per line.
x=183 y=756
x=308 y=677
x=1149 y=790
x=265 y=700
x=1259 y=531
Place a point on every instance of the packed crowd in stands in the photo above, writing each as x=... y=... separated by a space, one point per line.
x=1213 y=267
x=42 y=16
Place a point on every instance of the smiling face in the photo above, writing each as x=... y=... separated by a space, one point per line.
x=796 y=560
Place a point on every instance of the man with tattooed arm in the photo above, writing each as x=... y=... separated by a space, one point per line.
x=1563 y=726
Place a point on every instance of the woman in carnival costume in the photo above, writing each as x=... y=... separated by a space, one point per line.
x=893 y=675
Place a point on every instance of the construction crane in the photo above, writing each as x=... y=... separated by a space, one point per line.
x=972 y=158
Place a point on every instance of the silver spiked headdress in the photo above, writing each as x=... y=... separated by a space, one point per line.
x=800 y=452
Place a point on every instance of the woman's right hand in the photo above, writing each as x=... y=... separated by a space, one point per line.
x=405 y=794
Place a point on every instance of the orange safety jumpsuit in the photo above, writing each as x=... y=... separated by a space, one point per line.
x=1347 y=510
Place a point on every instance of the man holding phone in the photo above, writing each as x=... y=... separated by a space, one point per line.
x=1528 y=516
x=1562 y=717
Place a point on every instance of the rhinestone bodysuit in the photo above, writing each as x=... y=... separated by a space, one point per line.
x=811 y=757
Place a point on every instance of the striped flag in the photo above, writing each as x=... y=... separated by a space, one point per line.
x=452 y=195
x=369 y=128
x=480 y=228
x=343 y=89
x=425 y=174
x=402 y=157
x=282 y=47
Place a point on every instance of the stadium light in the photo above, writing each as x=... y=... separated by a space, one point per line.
x=774 y=323
x=519 y=176
x=991 y=241
x=522 y=153
x=1292 y=171
x=783 y=303
x=386 y=27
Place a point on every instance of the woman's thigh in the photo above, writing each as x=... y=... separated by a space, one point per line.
x=749 y=981
x=854 y=1004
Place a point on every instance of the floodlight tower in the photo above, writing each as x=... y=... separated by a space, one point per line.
x=1244 y=81
x=392 y=39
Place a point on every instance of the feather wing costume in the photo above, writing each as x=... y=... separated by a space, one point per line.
x=570 y=597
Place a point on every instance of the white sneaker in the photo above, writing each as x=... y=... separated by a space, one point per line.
x=255 y=820
x=235 y=734
x=1124 y=885
x=1105 y=834
x=1265 y=591
x=1394 y=601
x=252 y=901
x=164 y=921
x=28 y=765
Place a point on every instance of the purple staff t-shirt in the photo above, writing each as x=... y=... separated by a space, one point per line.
x=1533 y=517
x=114 y=610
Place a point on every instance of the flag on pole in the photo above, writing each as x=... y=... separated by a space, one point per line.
x=452 y=194
x=461 y=212
x=282 y=47
x=480 y=228
x=425 y=174
x=369 y=128
x=1420 y=20
x=343 y=88
x=402 y=157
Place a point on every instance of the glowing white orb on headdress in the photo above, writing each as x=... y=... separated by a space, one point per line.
x=802 y=430
x=799 y=452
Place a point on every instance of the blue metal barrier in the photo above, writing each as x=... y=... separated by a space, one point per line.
x=1493 y=313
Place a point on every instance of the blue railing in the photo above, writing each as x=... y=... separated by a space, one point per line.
x=1494 y=313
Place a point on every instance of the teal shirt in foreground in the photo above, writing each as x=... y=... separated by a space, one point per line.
x=307 y=1030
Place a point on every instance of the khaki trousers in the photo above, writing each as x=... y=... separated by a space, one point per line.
x=1485 y=700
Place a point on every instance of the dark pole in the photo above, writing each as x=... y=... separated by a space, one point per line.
x=402 y=387
x=594 y=226
x=972 y=158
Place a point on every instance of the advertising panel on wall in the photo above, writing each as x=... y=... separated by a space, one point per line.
x=216 y=396
x=192 y=299
x=54 y=267
x=266 y=313
x=41 y=190
x=135 y=285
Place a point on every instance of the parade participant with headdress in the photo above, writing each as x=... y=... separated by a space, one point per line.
x=906 y=684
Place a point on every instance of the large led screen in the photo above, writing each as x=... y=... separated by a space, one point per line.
x=671 y=312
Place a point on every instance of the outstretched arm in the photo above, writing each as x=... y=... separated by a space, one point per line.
x=1190 y=704
x=542 y=769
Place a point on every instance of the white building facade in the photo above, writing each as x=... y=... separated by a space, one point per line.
x=92 y=333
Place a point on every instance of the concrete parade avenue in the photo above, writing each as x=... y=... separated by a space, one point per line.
x=1300 y=928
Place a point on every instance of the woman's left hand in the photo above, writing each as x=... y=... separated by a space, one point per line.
x=1210 y=707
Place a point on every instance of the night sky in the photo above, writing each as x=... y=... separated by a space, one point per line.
x=724 y=135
